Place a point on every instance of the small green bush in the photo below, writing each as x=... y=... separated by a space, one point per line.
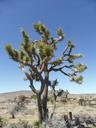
x=33 y=97
x=3 y=121
x=36 y=124
x=20 y=124
x=50 y=99
x=12 y=126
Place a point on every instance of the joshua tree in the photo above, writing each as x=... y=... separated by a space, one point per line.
x=64 y=96
x=55 y=94
x=37 y=60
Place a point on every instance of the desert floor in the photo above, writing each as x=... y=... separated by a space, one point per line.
x=30 y=112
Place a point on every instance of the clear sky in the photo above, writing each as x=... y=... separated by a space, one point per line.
x=76 y=17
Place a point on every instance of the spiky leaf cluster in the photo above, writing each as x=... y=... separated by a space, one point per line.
x=60 y=33
x=41 y=29
x=38 y=54
x=79 y=67
x=54 y=83
x=75 y=56
x=77 y=79
x=58 y=61
x=45 y=50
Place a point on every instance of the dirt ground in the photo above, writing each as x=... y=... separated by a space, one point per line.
x=30 y=113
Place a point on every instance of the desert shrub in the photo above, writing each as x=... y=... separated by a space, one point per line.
x=3 y=121
x=50 y=99
x=15 y=100
x=12 y=126
x=36 y=124
x=22 y=98
x=17 y=106
x=20 y=124
x=33 y=97
x=13 y=109
x=23 y=123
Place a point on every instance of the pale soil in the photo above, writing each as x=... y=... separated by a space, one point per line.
x=30 y=114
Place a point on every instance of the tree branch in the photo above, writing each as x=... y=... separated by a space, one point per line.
x=32 y=87
x=58 y=69
x=67 y=74
x=36 y=57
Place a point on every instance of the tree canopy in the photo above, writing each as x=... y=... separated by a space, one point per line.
x=35 y=54
x=37 y=60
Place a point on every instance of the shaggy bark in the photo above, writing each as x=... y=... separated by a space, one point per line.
x=40 y=112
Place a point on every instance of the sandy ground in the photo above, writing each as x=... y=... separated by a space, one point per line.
x=31 y=114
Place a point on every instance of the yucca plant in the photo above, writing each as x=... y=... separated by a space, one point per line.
x=36 y=58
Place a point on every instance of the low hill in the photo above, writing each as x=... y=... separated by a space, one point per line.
x=12 y=95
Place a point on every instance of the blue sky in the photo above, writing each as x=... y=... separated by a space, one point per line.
x=76 y=17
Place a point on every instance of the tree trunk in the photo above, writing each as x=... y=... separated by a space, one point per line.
x=53 y=110
x=45 y=96
x=40 y=113
x=54 y=101
x=13 y=116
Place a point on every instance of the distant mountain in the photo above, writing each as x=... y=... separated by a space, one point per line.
x=12 y=95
